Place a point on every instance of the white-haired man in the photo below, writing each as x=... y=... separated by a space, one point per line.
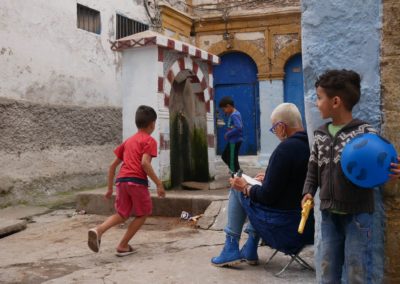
x=281 y=188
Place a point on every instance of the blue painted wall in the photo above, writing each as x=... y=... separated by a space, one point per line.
x=271 y=95
x=345 y=34
x=293 y=83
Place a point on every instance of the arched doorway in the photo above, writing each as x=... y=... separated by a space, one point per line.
x=293 y=83
x=188 y=130
x=236 y=76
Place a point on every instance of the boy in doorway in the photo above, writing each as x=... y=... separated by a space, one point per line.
x=234 y=134
x=133 y=195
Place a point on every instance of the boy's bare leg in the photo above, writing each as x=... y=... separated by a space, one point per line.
x=133 y=227
x=108 y=223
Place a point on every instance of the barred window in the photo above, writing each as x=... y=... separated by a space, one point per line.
x=88 y=19
x=127 y=27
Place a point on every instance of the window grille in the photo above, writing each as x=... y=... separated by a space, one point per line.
x=127 y=27
x=88 y=19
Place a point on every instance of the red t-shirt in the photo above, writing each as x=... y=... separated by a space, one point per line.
x=131 y=152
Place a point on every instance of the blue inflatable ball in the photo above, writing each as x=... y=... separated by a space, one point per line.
x=366 y=160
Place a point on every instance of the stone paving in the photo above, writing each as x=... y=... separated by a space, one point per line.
x=53 y=249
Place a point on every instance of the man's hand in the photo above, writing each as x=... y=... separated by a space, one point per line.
x=238 y=183
x=160 y=190
x=305 y=198
x=259 y=177
x=108 y=194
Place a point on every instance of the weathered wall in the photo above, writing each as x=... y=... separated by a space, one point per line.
x=345 y=34
x=267 y=31
x=60 y=96
x=271 y=95
x=136 y=93
x=200 y=6
x=158 y=67
x=51 y=148
x=390 y=78
x=45 y=58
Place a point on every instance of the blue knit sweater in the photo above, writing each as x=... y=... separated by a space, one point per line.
x=234 y=132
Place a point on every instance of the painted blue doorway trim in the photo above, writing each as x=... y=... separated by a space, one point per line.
x=236 y=76
x=293 y=84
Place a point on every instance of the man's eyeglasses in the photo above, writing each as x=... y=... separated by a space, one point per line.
x=273 y=128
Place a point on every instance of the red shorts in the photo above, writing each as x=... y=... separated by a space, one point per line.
x=133 y=198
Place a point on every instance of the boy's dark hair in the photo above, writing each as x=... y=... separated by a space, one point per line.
x=342 y=83
x=144 y=116
x=226 y=101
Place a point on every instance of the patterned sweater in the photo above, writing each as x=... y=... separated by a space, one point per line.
x=325 y=171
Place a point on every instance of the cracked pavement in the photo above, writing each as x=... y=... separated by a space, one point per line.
x=53 y=249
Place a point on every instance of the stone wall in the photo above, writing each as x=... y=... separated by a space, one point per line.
x=390 y=78
x=47 y=149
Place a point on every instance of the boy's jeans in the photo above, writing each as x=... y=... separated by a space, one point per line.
x=236 y=215
x=346 y=243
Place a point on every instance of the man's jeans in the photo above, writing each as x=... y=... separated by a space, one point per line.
x=236 y=215
x=346 y=243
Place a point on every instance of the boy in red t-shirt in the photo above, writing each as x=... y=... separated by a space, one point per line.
x=133 y=195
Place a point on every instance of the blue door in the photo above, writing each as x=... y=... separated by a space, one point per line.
x=236 y=77
x=293 y=84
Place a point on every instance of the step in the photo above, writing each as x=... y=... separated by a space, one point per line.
x=216 y=184
x=194 y=202
x=11 y=226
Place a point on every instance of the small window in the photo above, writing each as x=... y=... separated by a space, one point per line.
x=88 y=19
x=126 y=27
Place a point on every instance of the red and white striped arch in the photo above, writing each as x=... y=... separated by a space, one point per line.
x=186 y=62
x=201 y=83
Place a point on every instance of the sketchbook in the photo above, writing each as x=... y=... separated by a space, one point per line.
x=251 y=180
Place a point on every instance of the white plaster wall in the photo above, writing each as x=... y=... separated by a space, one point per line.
x=271 y=95
x=139 y=87
x=210 y=123
x=165 y=167
x=211 y=151
x=212 y=160
x=45 y=58
x=164 y=160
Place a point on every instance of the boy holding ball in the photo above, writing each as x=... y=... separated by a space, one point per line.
x=346 y=209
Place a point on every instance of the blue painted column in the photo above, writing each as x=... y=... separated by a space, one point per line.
x=345 y=34
x=271 y=95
